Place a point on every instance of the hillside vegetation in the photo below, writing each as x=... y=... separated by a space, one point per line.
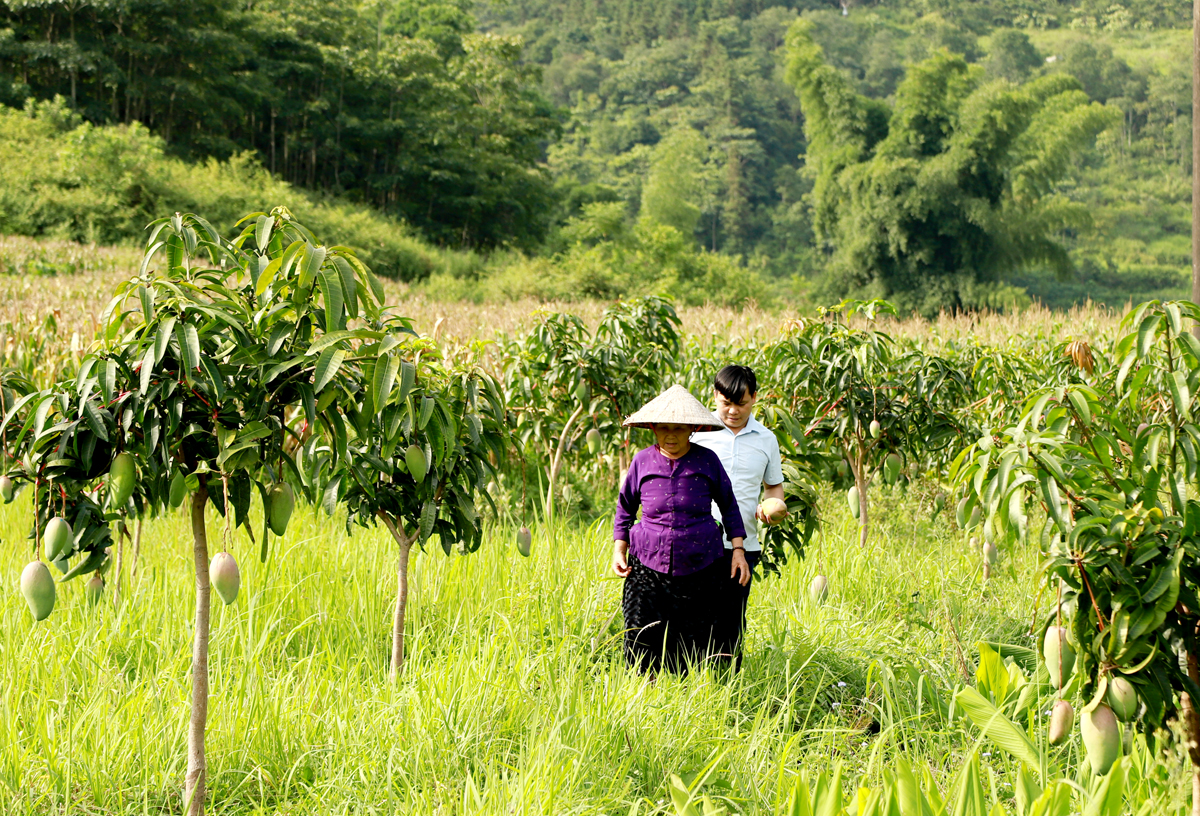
x=598 y=150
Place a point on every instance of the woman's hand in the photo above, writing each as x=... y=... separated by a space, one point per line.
x=740 y=569
x=620 y=558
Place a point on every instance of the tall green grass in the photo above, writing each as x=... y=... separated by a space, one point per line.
x=514 y=697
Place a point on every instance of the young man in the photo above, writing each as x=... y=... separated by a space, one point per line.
x=750 y=455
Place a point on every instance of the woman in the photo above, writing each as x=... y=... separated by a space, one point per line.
x=672 y=560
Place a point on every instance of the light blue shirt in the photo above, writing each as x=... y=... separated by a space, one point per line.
x=751 y=458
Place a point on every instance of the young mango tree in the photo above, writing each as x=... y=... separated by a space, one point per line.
x=413 y=454
x=201 y=370
x=853 y=391
x=561 y=378
x=1113 y=466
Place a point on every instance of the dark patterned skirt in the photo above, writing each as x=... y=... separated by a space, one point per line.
x=670 y=620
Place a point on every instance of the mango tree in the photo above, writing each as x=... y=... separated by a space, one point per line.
x=201 y=373
x=412 y=451
x=1113 y=466
x=852 y=390
x=561 y=378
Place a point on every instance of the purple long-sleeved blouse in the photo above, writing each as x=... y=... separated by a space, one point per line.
x=677 y=534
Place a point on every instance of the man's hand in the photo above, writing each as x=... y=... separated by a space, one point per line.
x=620 y=559
x=761 y=516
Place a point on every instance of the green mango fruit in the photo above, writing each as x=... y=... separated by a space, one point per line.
x=853 y=501
x=178 y=489
x=37 y=587
x=874 y=429
x=583 y=391
x=57 y=538
x=818 y=589
x=1059 y=655
x=524 y=541
x=774 y=510
x=960 y=513
x=593 y=441
x=122 y=479
x=282 y=501
x=1101 y=737
x=1122 y=698
x=1062 y=719
x=891 y=468
x=991 y=554
x=225 y=578
x=414 y=458
x=939 y=502
x=843 y=467
x=6 y=489
x=94 y=590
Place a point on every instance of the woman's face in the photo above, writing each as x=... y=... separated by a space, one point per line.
x=673 y=439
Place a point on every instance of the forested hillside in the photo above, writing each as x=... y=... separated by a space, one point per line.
x=681 y=109
x=625 y=146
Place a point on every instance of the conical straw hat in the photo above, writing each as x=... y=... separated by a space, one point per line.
x=673 y=406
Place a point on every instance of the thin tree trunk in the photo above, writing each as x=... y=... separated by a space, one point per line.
x=556 y=464
x=1196 y=167
x=124 y=534
x=197 y=771
x=1191 y=728
x=137 y=549
x=405 y=541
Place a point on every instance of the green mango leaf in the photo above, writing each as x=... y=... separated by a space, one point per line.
x=328 y=365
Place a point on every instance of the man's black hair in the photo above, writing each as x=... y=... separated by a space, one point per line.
x=736 y=383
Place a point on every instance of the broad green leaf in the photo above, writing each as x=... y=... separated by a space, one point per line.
x=313 y=258
x=189 y=346
x=147 y=370
x=267 y=275
x=992 y=674
x=1180 y=393
x=275 y=370
x=262 y=232
x=163 y=338
x=327 y=367
x=384 y=380
x=408 y=376
x=91 y=415
x=1108 y=800
x=331 y=338
x=1146 y=333
x=969 y=799
x=331 y=289
x=998 y=728
x=349 y=285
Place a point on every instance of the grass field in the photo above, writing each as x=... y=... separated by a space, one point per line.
x=514 y=698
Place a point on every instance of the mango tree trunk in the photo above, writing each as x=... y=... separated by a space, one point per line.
x=405 y=541
x=194 y=784
x=556 y=460
x=137 y=549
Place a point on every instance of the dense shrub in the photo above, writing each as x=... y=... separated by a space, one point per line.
x=67 y=179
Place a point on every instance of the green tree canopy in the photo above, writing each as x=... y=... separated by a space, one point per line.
x=930 y=202
x=395 y=103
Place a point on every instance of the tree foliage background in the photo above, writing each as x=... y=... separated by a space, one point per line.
x=401 y=104
x=532 y=124
x=930 y=200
